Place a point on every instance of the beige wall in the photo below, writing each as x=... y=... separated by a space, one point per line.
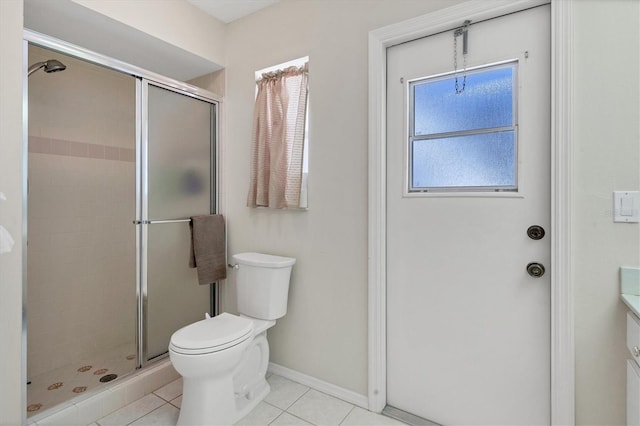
x=11 y=74
x=324 y=333
x=214 y=82
x=176 y=22
x=81 y=253
x=606 y=158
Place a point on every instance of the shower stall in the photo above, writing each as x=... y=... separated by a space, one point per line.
x=119 y=159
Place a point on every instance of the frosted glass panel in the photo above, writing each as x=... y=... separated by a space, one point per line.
x=180 y=186
x=487 y=102
x=174 y=297
x=481 y=160
x=179 y=155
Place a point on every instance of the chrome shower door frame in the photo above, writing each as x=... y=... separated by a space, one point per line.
x=143 y=79
x=143 y=220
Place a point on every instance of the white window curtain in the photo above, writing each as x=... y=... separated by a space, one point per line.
x=278 y=139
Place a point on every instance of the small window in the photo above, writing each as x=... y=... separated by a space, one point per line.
x=464 y=141
x=279 y=163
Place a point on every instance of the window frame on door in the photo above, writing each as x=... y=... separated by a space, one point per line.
x=411 y=137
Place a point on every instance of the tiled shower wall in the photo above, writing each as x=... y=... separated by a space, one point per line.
x=81 y=240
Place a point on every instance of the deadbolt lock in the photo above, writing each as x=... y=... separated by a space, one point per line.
x=535 y=232
x=535 y=269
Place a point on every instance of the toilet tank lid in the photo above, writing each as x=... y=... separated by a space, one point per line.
x=263 y=260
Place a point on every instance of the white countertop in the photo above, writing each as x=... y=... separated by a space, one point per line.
x=633 y=302
x=630 y=288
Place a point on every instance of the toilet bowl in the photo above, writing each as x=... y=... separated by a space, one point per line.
x=223 y=360
x=206 y=354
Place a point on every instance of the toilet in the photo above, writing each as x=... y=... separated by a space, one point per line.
x=223 y=359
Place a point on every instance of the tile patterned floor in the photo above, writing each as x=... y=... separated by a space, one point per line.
x=288 y=403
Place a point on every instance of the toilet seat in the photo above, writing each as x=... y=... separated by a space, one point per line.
x=211 y=335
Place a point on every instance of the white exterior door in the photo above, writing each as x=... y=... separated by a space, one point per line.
x=468 y=328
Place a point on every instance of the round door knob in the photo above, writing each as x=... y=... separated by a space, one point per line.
x=636 y=351
x=535 y=232
x=535 y=269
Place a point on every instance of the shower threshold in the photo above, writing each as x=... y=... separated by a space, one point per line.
x=57 y=386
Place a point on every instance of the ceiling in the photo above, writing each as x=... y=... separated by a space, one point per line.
x=230 y=10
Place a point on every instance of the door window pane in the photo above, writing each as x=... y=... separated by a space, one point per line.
x=482 y=160
x=464 y=141
x=486 y=102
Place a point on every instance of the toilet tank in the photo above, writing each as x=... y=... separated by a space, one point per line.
x=263 y=284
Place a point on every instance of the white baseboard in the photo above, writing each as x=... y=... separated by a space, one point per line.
x=320 y=385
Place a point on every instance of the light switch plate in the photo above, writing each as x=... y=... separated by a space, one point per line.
x=626 y=206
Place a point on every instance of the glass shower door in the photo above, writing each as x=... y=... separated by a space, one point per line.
x=81 y=255
x=179 y=159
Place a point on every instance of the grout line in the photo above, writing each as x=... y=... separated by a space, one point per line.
x=298 y=399
x=137 y=418
x=277 y=417
x=271 y=405
x=164 y=399
x=298 y=417
x=155 y=409
x=339 y=399
x=343 y=394
x=171 y=402
x=304 y=420
x=345 y=417
x=155 y=394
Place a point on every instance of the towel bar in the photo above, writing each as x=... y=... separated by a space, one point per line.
x=152 y=222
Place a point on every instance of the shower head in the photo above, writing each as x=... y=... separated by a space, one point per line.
x=51 y=65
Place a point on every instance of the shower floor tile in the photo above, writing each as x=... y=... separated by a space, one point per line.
x=57 y=386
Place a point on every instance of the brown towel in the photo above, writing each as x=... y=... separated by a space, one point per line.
x=208 y=248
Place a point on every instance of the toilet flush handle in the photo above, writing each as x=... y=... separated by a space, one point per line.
x=236 y=266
